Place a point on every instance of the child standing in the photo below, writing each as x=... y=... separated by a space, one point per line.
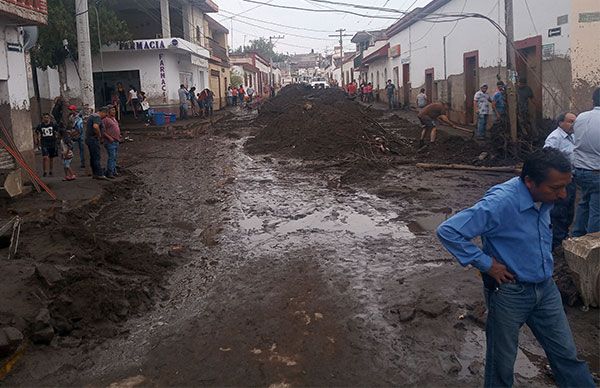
x=66 y=152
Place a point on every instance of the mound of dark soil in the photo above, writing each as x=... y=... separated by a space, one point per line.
x=87 y=284
x=316 y=125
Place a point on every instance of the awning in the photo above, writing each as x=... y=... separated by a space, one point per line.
x=382 y=52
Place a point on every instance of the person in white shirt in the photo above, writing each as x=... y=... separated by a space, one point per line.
x=481 y=102
x=421 y=100
x=563 y=212
x=586 y=160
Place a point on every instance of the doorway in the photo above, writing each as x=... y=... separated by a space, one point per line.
x=429 y=85
x=471 y=71
x=528 y=65
x=215 y=87
x=406 y=84
x=105 y=84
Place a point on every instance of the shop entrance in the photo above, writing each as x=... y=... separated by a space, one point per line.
x=105 y=84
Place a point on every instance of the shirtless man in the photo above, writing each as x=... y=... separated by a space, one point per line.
x=428 y=117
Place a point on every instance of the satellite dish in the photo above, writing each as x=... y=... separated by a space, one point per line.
x=30 y=37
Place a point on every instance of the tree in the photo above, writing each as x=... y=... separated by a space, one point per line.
x=50 y=51
x=264 y=48
x=236 y=79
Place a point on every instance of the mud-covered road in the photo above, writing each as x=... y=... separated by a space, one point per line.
x=286 y=276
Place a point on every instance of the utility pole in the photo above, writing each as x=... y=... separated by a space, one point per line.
x=85 y=53
x=342 y=35
x=271 y=83
x=510 y=70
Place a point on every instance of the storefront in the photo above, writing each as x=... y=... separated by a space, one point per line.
x=155 y=66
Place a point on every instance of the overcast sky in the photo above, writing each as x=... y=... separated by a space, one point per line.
x=246 y=26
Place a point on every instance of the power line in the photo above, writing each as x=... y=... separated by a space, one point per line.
x=272 y=23
x=280 y=32
x=320 y=10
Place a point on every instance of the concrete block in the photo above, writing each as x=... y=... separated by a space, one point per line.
x=583 y=257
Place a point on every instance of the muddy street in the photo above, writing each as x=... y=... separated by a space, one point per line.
x=281 y=274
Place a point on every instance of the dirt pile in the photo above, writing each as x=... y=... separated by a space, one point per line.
x=67 y=280
x=317 y=125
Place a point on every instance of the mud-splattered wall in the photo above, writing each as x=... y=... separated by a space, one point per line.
x=585 y=51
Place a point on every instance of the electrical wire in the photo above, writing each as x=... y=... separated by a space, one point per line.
x=319 y=10
x=285 y=33
x=273 y=23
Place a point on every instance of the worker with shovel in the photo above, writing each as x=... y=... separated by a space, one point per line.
x=428 y=117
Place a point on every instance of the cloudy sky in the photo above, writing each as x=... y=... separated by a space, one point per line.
x=303 y=30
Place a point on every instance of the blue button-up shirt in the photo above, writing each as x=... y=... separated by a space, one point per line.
x=513 y=231
x=562 y=141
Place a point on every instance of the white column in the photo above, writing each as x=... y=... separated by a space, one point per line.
x=165 y=18
x=85 y=53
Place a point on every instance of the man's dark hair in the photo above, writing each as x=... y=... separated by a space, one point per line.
x=181 y=86
x=538 y=164
x=561 y=117
x=596 y=97
x=422 y=90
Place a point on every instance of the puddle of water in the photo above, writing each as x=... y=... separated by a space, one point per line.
x=428 y=223
x=340 y=220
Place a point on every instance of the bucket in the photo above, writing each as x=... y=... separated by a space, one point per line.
x=159 y=118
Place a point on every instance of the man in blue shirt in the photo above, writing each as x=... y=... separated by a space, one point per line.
x=513 y=220
x=499 y=101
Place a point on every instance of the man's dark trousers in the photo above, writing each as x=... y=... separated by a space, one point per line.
x=562 y=216
x=94 y=147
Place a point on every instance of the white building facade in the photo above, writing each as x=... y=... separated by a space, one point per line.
x=451 y=60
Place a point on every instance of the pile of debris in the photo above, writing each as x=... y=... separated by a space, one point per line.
x=319 y=125
x=66 y=280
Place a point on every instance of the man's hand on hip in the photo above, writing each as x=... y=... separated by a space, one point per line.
x=500 y=273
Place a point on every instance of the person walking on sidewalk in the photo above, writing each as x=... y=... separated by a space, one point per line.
x=586 y=159
x=93 y=138
x=428 y=117
x=562 y=213
x=482 y=101
x=112 y=138
x=48 y=134
x=516 y=264
x=390 y=90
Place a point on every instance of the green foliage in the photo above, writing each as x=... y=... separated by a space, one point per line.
x=50 y=51
x=264 y=48
x=236 y=79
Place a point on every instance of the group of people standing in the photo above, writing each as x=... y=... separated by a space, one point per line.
x=200 y=104
x=486 y=104
x=65 y=130
x=520 y=222
x=122 y=99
